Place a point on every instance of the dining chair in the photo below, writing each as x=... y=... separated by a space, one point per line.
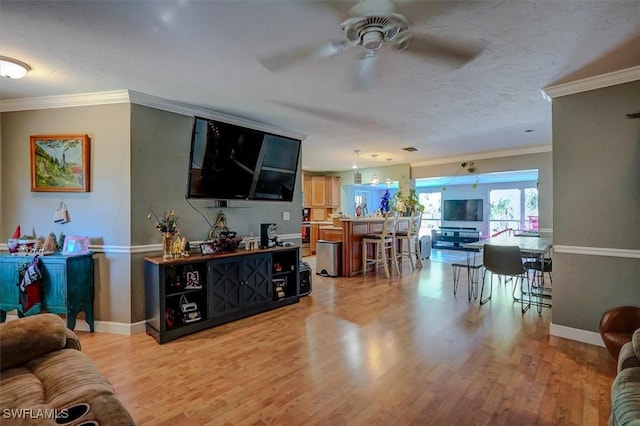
x=382 y=242
x=540 y=268
x=412 y=238
x=473 y=268
x=506 y=261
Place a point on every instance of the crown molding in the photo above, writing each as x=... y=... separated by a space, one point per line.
x=138 y=98
x=192 y=110
x=590 y=83
x=485 y=155
x=65 y=101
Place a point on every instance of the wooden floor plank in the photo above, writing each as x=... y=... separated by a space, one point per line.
x=366 y=351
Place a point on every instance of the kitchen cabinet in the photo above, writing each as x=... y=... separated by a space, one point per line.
x=318 y=191
x=306 y=191
x=331 y=233
x=314 y=237
x=332 y=191
x=324 y=196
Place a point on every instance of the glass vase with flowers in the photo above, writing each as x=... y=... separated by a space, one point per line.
x=167 y=224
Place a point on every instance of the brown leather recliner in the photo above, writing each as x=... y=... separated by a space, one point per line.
x=617 y=326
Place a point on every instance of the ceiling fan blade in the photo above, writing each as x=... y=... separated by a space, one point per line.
x=365 y=71
x=340 y=8
x=434 y=48
x=284 y=59
x=365 y=7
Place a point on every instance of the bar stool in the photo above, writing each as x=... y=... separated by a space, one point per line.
x=412 y=237
x=383 y=241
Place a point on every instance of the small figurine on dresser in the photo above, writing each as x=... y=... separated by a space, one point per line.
x=186 y=248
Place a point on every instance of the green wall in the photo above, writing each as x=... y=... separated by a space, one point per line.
x=139 y=160
x=596 y=152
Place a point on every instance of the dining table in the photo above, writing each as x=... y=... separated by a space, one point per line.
x=535 y=248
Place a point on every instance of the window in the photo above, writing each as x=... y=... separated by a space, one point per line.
x=361 y=199
x=513 y=209
x=432 y=215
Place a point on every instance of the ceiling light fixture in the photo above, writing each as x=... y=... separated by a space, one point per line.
x=389 y=181
x=12 y=68
x=374 y=179
x=357 y=176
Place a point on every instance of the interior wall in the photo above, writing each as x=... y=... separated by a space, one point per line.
x=160 y=148
x=348 y=186
x=541 y=161
x=101 y=214
x=596 y=204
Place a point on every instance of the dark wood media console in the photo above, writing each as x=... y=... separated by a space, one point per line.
x=453 y=238
x=194 y=293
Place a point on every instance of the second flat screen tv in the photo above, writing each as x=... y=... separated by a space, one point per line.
x=228 y=161
x=462 y=210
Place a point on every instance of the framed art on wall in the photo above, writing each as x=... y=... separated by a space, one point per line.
x=60 y=163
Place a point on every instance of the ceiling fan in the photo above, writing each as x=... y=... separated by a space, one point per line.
x=373 y=25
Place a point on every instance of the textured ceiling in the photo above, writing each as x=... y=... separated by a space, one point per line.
x=205 y=53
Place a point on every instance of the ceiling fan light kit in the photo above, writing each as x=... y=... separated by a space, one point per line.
x=374 y=29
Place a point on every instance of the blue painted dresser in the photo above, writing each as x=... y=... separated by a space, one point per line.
x=67 y=286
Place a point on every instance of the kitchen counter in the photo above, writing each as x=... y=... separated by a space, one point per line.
x=314 y=229
x=352 y=231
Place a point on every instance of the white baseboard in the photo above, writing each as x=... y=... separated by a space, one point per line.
x=576 y=334
x=103 y=326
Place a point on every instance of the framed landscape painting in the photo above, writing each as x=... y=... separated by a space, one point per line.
x=60 y=163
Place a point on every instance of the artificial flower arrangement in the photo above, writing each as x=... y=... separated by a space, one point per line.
x=406 y=203
x=167 y=223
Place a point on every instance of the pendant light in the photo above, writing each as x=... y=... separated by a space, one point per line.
x=357 y=176
x=374 y=179
x=389 y=181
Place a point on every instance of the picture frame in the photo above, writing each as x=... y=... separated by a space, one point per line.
x=60 y=163
x=75 y=245
x=207 y=248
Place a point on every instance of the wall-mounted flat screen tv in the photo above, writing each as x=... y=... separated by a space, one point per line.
x=228 y=161
x=462 y=210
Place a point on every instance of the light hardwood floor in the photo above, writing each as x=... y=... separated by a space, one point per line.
x=368 y=351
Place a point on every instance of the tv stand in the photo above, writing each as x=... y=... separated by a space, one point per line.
x=453 y=238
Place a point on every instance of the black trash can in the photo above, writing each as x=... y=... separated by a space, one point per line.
x=305 y=279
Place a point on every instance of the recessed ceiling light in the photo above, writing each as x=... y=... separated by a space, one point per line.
x=411 y=149
x=12 y=68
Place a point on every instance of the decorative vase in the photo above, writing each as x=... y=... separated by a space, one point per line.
x=167 y=242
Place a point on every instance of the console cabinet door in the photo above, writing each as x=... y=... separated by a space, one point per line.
x=256 y=280
x=9 y=295
x=54 y=287
x=226 y=286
